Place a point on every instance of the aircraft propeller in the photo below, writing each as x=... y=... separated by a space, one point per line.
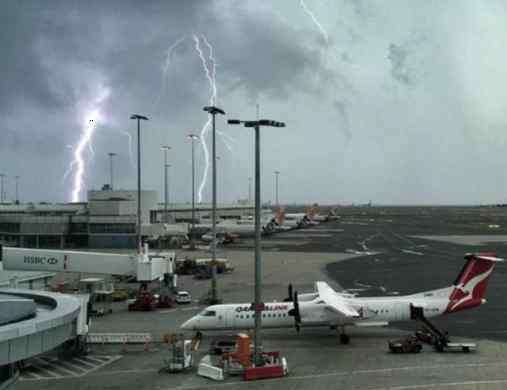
x=295 y=312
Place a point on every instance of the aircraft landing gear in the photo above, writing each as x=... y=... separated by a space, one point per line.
x=344 y=338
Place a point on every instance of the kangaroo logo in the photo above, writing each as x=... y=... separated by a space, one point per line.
x=464 y=292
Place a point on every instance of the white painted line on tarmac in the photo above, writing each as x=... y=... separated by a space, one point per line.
x=61 y=367
x=23 y=377
x=446 y=384
x=411 y=252
x=167 y=311
x=190 y=308
x=84 y=362
x=105 y=363
x=74 y=367
x=359 y=372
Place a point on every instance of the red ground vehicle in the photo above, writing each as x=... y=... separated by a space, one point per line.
x=408 y=344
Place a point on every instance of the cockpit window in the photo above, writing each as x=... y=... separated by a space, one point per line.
x=209 y=313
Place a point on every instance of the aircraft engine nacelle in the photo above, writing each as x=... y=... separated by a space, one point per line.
x=307 y=297
x=314 y=314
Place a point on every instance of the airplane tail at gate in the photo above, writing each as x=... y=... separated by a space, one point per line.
x=470 y=285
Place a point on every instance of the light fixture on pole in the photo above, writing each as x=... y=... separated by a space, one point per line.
x=165 y=148
x=193 y=137
x=139 y=118
x=213 y=111
x=258 y=305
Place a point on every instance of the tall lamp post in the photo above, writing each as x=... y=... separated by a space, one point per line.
x=139 y=118
x=165 y=148
x=258 y=304
x=213 y=111
x=277 y=173
x=111 y=155
x=193 y=137
x=17 y=189
x=2 y=192
x=249 y=191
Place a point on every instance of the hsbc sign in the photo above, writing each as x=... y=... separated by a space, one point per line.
x=40 y=260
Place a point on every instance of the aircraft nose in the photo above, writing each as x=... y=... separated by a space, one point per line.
x=189 y=324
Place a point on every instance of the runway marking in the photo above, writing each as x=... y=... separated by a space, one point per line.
x=190 y=308
x=40 y=368
x=445 y=384
x=84 y=362
x=167 y=311
x=410 y=252
x=403 y=238
x=372 y=371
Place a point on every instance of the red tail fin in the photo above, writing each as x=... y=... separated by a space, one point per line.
x=280 y=217
x=470 y=285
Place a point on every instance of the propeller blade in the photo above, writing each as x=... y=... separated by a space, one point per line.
x=297 y=314
x=289 y=295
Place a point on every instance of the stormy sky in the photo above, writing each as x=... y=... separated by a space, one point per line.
x=395 y=102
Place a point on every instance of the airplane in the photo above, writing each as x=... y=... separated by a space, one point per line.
x=338 y=309
x=222 y=237
x=243 y=228
x=287 y=221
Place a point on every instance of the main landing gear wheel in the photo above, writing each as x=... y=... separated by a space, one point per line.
x=344 y=338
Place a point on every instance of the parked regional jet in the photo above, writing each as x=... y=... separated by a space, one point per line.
x=327 y=307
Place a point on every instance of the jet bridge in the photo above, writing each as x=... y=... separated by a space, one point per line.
x=144 y=266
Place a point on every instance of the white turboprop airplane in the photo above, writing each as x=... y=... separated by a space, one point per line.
x=327 y=307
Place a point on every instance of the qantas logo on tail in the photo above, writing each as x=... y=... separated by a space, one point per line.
x=470 y=286
x=280 y=217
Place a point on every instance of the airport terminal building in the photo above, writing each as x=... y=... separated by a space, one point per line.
x=107 y=220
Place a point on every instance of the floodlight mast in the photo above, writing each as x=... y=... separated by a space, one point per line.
x=258 y=305
x=139 y=118
x=165 y=149
x=193 y=137
x=213 y=111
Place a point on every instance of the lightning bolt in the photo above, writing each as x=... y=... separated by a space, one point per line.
x=131 y=150
x=165 y=67
x=209 y=69
x=210 y=76
x=78 y=164
x=315 y=21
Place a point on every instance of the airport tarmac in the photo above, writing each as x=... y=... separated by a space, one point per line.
x=402 y=264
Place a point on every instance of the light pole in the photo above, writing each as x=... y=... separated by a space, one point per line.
x=258 y=304
x=165 y=148
x=250 y=190
x=213 y=111
x=2 y=193
x=193 y=137
x=139 y=118
x=111 y=155
x=17 y=189
x=276 y=189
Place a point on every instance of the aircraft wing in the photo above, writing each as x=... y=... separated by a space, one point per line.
x=334 y=301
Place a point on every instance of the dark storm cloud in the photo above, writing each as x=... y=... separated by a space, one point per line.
x=21 y=68
x=398 y=57
x=58 y=56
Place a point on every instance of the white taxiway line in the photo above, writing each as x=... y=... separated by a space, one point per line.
x=373 y=371
x=190 y=308
x=446 y=384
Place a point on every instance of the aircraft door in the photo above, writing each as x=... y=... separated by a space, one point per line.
x=401 y=311
x=222 y=319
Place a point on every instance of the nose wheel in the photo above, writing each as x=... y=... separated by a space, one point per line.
x=344 y=338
